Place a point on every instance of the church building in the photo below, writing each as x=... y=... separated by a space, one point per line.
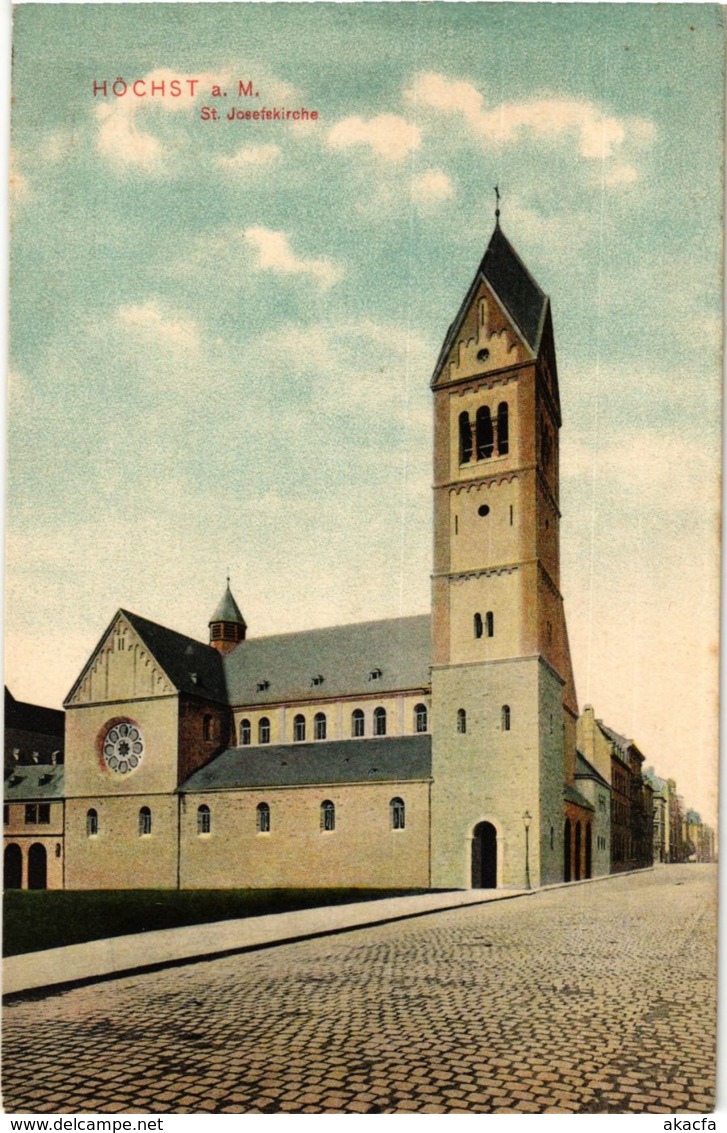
x=412 y=752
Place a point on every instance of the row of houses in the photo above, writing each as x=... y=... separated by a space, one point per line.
x=649 y=822
x=637 y=817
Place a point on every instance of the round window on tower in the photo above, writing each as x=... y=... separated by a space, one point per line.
x=483 y=355
x=483 y=509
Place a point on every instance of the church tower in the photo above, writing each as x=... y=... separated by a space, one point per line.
x=504 y=708
x=227 y=625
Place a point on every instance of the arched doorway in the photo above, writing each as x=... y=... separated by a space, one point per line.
x=13 y=867
x=589 y=851
x=484 y=856
x=577 y=872
x=37 y=867
x=566 y=851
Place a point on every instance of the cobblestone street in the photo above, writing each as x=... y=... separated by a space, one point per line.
x=596 y=998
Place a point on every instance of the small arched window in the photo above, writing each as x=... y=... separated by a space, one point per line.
x=503 y=439
x=328 y=815
x=505 y=714
x=245 y=733
x=465 y=438
x=91 y=823
x=145 y=820
x=490 y=623
x=207 y=728
x=263 y=818
x=319 y=726
x=299 y=728
x=379 y=721
x=398 y=814
x=461 y=721
x=263 y=730
x=485 y=438
x=478 y=625
x=358 y=723
x=420 y=718
x=204 y=819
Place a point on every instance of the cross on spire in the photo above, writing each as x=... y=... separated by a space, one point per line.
x=497 y=204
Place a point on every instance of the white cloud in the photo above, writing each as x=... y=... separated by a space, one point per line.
x=431 y=188
x=17 y=386
x=275 y=254
x=621 y=174
x=120 y=139
x=389 y=136
x=565 y=229
x=647 y=475
x=157 y=95
x=151 y=323
x=599 y=135
x=122 y=143
x=56 y=146
x=19 y=185
x=250 y=157
x=357 y=364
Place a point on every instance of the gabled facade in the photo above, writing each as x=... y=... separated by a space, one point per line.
x=147 y=710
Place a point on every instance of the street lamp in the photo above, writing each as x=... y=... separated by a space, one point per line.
x=527 y=819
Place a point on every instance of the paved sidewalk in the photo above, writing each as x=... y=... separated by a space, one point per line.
x=547 y=1005
x=122 y=955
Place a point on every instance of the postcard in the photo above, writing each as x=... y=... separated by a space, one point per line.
x=362 y=561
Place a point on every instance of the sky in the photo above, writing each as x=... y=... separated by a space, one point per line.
x=222 y=332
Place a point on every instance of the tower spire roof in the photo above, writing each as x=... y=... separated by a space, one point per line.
x=522 y=298
x=228 y=609
x=511 y=281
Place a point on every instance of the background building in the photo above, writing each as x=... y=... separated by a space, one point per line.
x=619 y=761
x=33 y=796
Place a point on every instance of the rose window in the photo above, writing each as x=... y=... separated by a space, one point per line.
x=123 y=748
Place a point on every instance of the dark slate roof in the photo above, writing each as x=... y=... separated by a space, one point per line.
x=571 y=795
x=522 y=298
x=586 y=770
x=27 y=744
x=228 y=610
x=326 y=762
x=191 y=666
x=344 y=656
x=658 y=785
x=614 y=737
x=36 y=782
x=33 y=717
x=514 y=285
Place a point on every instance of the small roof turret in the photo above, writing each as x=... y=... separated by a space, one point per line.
x=228 y=609
x=227 y=625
